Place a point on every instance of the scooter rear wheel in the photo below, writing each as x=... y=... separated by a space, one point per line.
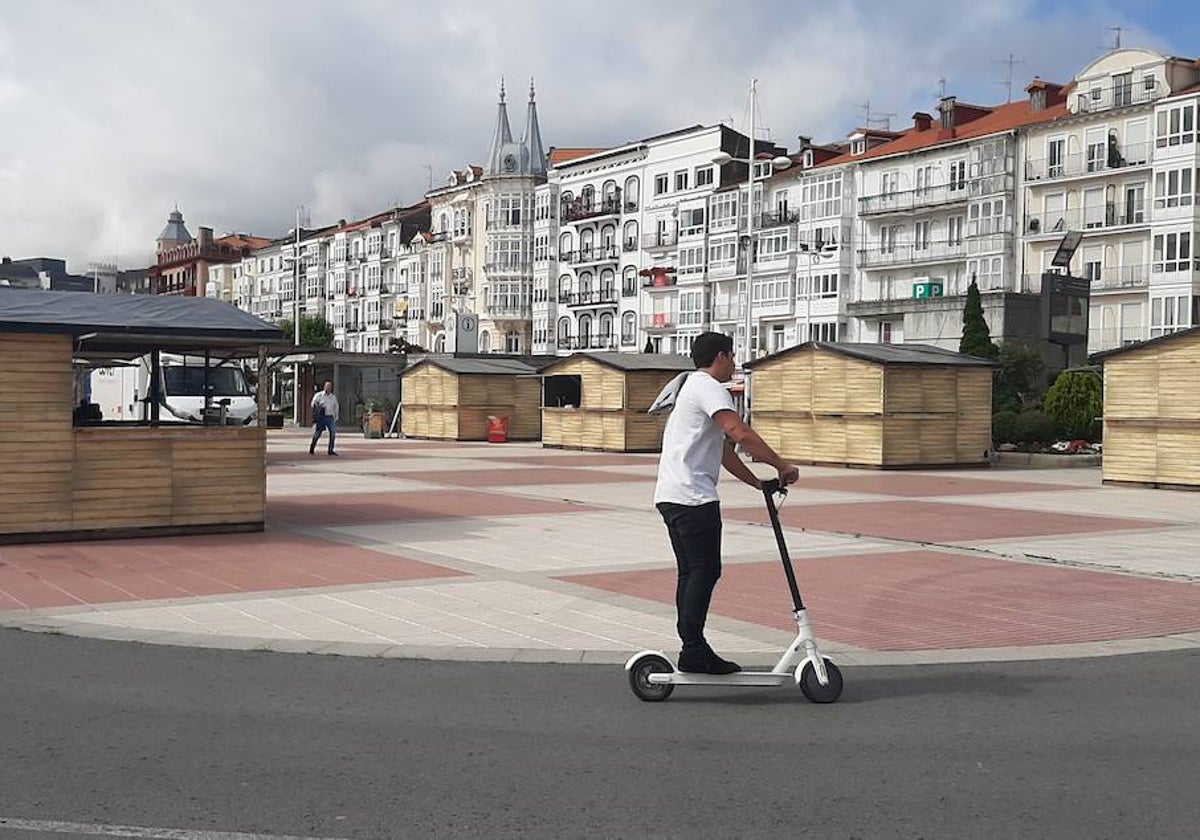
x=812 y=687
x=639 y=679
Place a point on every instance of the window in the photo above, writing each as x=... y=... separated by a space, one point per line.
x=1056 y=154
x=1169 y=314
x=924 y=178
x=987 y=271
x=691 y=222
x=773 y=246
x=1122 y=90
x=1173 y=252
x=922 y=232
x=885 y=332
x=772 y=292
x=704 y=176
x=691 y=308
x=629 y=282
x=722 y=255
x=825 y=285
x=889 y=182
x=954 y=230
x=661 y=184
x=858 y=147
x=824 y=332
x=723 y=213
x=691 y=261
x=1176 y=126
x=1176 y=188
x=958 y=175
x=987 y=217
x=541 y=248
x=681 y=181
x=821 y=197
x=628 y=328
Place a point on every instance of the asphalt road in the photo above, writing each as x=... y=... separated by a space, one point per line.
x=99 y=734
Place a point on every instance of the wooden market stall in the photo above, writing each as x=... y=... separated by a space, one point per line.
x=451 y=398
x=874 y=405
x=72 y=474
x=1152 y=412
x=599 y=400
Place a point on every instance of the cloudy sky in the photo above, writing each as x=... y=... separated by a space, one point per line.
x=113 y=111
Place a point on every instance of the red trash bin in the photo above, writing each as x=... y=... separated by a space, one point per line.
x=497 y=429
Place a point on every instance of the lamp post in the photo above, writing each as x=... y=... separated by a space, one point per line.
x=296 y=322
x=781 y=162
x=814 y=255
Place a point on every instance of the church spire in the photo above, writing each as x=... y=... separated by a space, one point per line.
x=531 y=141
x=501 y=139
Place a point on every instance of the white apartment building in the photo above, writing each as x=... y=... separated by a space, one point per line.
x=639 y=245
x=1119 y=165
x=478 y=257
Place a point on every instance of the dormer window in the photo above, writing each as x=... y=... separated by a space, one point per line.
x=858 y=147
x=1149 y=83
x=807 y=160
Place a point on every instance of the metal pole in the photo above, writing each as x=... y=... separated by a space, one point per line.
x=749 y=324
x=296 y=322
x=808 y=299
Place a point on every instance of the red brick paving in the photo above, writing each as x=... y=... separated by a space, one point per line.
x=907 y=484
x=917 y=600
x=68 y=574
x=507 y=475
x=375 y=508
x=939 y=522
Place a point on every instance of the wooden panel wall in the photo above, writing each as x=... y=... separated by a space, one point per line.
x=472 y=399
x=37 y=445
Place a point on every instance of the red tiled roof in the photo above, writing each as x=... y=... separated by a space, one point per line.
x=1001 y=118
x=241 y=240
x=558 y=156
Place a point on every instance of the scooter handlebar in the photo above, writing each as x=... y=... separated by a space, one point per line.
x=771 y=486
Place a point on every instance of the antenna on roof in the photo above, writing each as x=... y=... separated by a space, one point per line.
x=1008 y=75
x=941 y=87
x=875 y=119
x=1117 y=41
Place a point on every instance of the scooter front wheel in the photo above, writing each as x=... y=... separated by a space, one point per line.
x=639 y=679
x=812 y=687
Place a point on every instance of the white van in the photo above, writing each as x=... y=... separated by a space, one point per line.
x=121 y=391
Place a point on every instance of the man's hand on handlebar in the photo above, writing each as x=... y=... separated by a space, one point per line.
x=788 y=474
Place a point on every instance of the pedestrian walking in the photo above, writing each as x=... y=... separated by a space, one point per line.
x=325 y=413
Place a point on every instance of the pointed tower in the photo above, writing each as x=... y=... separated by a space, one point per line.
x=175 y=233
x=531 y=141
x=499 y=162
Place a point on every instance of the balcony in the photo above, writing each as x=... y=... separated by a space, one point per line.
x=909 y=201
x=591 y=256
x=725 y=312
x=660 y=321
x=662 y=239
x=1097 y=161
x=911 y=254
x=593 y=342
x=508 y=312
x=1093 y=217
x=579 y=210
x=1116 y=96
x=778 y=219
x=1108 y=338
x=592 y=297
x=520 y=267
x=1122 y=278
x=659 y=282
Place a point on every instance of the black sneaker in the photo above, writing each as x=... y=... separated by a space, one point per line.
x=706 y=662
x=334 y=454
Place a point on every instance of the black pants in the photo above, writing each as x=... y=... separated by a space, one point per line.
x=695 y=533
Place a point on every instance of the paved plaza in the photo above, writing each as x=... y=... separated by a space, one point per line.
x=404 y=548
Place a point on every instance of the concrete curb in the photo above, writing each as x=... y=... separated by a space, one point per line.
x=1042 y=460
x=766 y=658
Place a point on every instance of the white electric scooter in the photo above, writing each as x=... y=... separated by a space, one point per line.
x=653 y=676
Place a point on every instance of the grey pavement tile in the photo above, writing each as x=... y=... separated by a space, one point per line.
x=1171 y=553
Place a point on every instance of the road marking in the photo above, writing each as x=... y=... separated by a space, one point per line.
x=143 y=832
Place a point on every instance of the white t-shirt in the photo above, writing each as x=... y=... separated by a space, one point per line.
x=693 y=443
x=327 y=401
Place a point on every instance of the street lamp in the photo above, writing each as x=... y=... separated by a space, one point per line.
x=781 y=162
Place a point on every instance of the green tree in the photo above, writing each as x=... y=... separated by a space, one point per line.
x=315 y=331
x=976 y=339
x=1020 y=379
x=1075 y=402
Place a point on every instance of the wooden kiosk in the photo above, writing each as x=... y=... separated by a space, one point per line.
x=71 y=475
x=874 y=405
x=599 y=400
x=1152 y=412
x=451 y=398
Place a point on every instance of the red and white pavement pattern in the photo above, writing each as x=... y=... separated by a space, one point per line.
x=511 y=551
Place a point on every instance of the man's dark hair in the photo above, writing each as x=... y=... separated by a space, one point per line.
x=707 y=345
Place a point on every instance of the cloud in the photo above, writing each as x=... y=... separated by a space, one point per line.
x=240 y=111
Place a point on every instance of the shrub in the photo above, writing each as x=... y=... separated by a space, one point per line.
x=1034 y=427
x=1003 y=425
x=1075 y=402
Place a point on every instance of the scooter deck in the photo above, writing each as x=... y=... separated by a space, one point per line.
x=760 y=678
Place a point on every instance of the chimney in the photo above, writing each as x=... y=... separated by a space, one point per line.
x=206 y=236
x=1037 y=95
x=946 y=109
x=8 y=261
x=922 y=121
x=805 y=142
